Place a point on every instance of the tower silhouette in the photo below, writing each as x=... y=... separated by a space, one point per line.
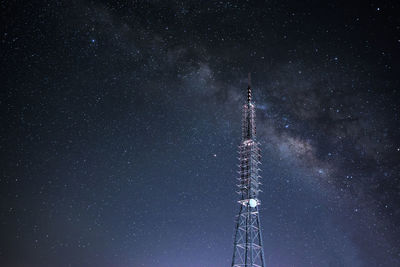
x=248 y=245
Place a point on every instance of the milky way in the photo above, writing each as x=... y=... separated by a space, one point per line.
x=121 y=124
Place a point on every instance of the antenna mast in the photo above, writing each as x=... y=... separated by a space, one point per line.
x=248 y=245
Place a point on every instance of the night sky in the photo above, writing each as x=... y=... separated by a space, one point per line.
x=120 y=126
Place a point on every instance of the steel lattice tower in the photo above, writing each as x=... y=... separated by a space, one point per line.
x=248 y=245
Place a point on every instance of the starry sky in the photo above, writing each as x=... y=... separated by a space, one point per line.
x=121 y=120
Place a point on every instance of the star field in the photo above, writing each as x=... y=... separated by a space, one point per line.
x=121 y=122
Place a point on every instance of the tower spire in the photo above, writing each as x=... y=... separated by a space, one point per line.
x=249 y=88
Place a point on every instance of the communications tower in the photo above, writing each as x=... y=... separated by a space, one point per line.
x=248 y=245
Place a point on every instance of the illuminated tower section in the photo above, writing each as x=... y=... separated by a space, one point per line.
x=248 y=245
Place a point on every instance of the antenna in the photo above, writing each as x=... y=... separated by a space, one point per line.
x=249 y=88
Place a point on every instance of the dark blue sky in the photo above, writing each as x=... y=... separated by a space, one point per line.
x=121 y=122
